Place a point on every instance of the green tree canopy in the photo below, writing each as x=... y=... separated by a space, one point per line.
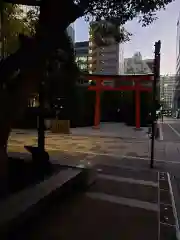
x=12 y=26
x=110 y=15
x=31 y=19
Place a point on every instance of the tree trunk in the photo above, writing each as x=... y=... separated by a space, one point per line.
x=31 y=65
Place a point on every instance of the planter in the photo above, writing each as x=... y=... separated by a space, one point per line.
x=60 y=126
x=48 y=124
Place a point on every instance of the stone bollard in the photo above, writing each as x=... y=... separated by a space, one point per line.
x=157 y=132
x=47 y=124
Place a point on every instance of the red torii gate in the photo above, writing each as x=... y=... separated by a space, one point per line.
x=136 y=86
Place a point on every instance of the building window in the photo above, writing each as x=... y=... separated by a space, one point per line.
x=82 y=66
x=81 y=59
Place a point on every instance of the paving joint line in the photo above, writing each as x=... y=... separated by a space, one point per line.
x=123 y=201
x=127 y=180
x=104 y=154
x=174 y=208
x=158 y=209
x=174 y=130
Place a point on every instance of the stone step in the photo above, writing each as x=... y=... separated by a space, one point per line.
x=121 y=204
x=29 y=203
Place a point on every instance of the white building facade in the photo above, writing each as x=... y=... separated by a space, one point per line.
x=178 y=48
x=167 y=90
x=107 y=60
x=176 y=97
x=121 y=59
x=137 y=65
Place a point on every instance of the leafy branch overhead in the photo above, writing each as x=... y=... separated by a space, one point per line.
x=105 y=33
x=31 y=19
x=111 y=15
x=116 y=12
x=13 y=25
x=121 y=11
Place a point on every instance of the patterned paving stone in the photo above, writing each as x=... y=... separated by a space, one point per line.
x=98 y=145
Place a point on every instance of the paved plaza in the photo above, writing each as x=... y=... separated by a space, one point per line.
x=123 y=142
x=125 y=182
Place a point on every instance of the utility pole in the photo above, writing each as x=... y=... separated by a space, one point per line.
x=154 y=97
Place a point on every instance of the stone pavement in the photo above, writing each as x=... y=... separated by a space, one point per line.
x=102 y=149
x=126 y=153
x=94 y=145
x=112 y=130
x=165 y=151
x=117 y=130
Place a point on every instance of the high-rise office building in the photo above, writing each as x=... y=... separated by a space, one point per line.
x=104 y=60
x=81 y=52
x=107 y=60
x=167 y=84
x=178 y=48
x=176 y=97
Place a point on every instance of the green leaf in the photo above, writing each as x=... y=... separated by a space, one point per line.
x=12 y=26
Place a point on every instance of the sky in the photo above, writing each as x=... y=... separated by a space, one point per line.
x=143 y=39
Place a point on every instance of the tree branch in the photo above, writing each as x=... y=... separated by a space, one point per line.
x=32 y=64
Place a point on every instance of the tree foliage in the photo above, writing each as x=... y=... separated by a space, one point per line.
x=105 y=33
x=121 y=11
x=62 y=70
x=110 y=17
x=31 y=19
x=12 y=26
